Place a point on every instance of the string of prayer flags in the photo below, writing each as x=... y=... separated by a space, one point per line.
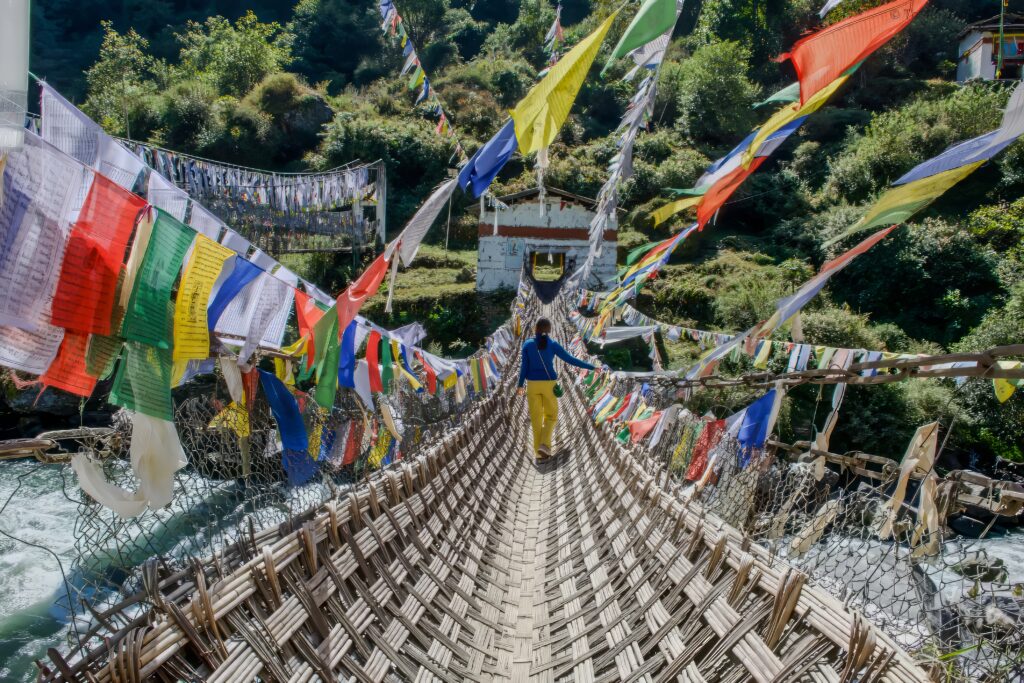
x=150 y=311
x=295 y=459
x=786 y=307
x=819 y=59
x=143 y=381
x=541 y=113
x=191 y=323
x=84 y=299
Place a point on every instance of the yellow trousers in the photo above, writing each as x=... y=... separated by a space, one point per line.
x=540 y=397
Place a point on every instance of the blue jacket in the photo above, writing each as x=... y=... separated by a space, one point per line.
x=531 y=367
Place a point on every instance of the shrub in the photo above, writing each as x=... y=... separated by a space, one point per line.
x=897 y=140
x=716 y=94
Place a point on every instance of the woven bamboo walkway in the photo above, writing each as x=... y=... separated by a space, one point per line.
x=474 y=564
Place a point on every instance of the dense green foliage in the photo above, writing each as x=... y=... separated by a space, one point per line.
x=317 y=85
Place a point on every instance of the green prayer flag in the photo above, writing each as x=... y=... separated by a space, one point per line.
x=654 y=18
x=149 y=317
x=101 y=355
x=635 y=254
x=328 y=358
x=143 y=381
x=791 y=93
x=387 y=371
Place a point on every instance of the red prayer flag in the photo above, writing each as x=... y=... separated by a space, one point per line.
x=707 y=440
x=429 y=372
x=250 y=381
x=638 y=429
x=857 y=250
x=67 y=371
x=84 y=300
x=352 y=443
x=822 y=57
x=365 y=286
x=307 y=314
x=373 y=361
x=719 y=193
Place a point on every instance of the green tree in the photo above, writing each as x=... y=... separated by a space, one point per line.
x=123 y=74
x=716 y=94
x=234 y=57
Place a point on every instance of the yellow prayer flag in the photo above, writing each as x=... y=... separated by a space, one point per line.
x=901 y=202
x=1004 y=388
x=191 y=330
x=539 y=116
x=787 y=115
x=662 y=214
x=234 y=417
x=763 y=354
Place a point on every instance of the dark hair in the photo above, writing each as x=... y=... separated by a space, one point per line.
x=542 y=329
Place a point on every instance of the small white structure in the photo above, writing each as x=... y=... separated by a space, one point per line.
x=518 y=234
x=978 y=57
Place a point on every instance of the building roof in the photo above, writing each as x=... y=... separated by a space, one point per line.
x=1011 y=22
x=550 y=192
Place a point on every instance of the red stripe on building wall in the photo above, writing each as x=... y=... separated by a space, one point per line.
x=487 y=230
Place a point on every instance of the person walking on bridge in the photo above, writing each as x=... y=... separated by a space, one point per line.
x=537 y=379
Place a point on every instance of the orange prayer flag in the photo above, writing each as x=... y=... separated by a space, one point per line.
x=365 y=286
x=719 y=193
x=68 y=371
x=821 y=58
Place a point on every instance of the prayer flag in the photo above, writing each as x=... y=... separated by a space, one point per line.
x=719 y=193
x=295 y=459
x=665 y=212
x=242 y=274
x=150 y=313
x=143 y=381
x=482 y=168
x=819 y=59
x=365 y=286
x=901 y=202
x=654 y=18
x=347 y=359
x=84 y=300
x=372 y=360
x=539 y=116
x=68 y=372
x=191 y=326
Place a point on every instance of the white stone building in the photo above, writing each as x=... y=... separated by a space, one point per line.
x=977 y=56
x=519 y=234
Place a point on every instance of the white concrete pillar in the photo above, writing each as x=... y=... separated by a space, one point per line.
x=14 y=37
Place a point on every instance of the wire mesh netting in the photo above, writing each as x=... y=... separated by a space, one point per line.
x=235 y=484
x=951 y=604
